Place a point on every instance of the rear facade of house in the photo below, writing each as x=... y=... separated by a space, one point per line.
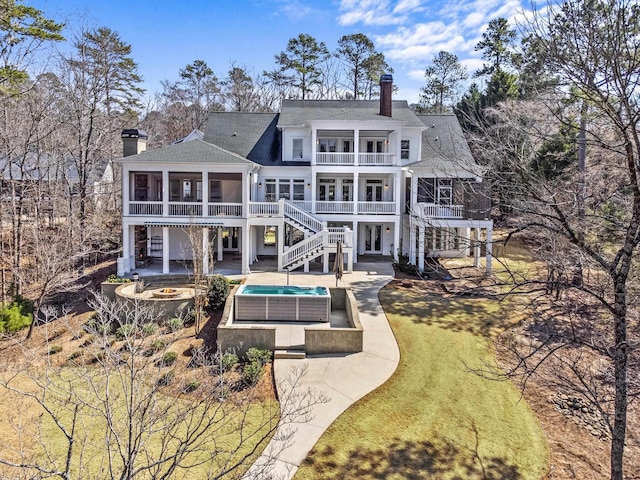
x=370 y=175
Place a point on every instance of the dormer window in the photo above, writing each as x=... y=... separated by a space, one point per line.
x=297 y=149
x=405 y=148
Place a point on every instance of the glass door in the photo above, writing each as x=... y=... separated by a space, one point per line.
x=373 y=191
x=372 y=239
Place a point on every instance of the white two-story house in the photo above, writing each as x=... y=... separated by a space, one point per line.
x=371 y=175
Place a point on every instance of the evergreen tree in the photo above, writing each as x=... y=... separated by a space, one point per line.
x=354 y=52
x=444 y=76
x=303 y=56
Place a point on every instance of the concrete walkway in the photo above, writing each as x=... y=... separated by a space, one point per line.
x=342 y=379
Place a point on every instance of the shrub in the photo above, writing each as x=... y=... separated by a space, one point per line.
x=174 y=324
x=218 y=291
x=87 y=341
x=191 y=386
x=97 y=326
x=113 y=278
x=75 y=354
x=252 y=372
x=228 y=360
x=149 y=329
x=15 y=316
x=166 y=378
x=124 y=331
x=158 y=345
x=169 y=358
x=53 y=349
x=259 y=355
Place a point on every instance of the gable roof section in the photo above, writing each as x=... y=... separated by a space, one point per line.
x=251 y=135
x=444 y=148
x=194 y=151
x=299 y=112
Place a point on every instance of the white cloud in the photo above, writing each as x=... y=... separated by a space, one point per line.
x=377 y=12
x=416 y=74
x=295 y=10
x=407 y=6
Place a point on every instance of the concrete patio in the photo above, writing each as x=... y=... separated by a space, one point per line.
x=343 y=379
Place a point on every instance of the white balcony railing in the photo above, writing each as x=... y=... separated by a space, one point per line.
x=225 y=210
x=334 y=207
x=377 y=207
x=376 y=159
x=184 y=209
x=432 y=210
x=335 y=158
x=264 y=209
x=145 y=208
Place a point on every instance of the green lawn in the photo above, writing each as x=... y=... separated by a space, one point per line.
x=434 y=418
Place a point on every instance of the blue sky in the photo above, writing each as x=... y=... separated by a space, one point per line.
x=167 y=35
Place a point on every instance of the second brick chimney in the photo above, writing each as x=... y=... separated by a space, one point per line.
x=386 y=86
x=133 y=142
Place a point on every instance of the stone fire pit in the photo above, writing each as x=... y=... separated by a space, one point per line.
x=166 y=293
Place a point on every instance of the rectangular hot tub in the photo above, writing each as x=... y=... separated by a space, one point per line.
x=272 y=302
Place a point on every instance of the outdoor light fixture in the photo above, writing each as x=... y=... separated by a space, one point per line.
x=386 y=185
x=388 y=230
x=260 y=185
x=308 y=185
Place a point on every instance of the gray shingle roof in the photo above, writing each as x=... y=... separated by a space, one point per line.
x=250 y=135
x=298 y=112
x=194 y=151
x=444 y=147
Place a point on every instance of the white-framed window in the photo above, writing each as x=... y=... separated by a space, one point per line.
x=435 y=190
x=298 y=151
x=327 y=190
x=287 y=188
x=375 y=146
x=405 y=148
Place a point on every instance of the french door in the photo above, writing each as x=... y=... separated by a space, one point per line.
x=372 y=239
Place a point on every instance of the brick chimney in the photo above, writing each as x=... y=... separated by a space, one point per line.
x=386 y=85
x=133 y=142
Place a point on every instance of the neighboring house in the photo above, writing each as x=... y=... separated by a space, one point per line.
x=370 y=174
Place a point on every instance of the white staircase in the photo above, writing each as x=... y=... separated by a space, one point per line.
x=319 y=238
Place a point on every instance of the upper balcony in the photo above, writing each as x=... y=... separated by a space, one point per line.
x=356 y=148
x=353 y=159
x=185 y=195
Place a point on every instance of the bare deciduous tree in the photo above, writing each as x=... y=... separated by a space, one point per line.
x=120 y=408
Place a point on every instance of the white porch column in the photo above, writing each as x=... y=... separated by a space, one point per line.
x=421 y=247
x=355 y=241
x=126 y=250
x=165 y=193
x=356 y=179
x=314 y=144
x=396 y=240
x=205 y=194
x=280 y=245
x=165 y=250
x=489 y=250
x=314 y=189
x=246 y=251
x=325 y=262
x=126 y=194
x=412 y=243
x=132 y=248
x=396 y=193
x=219 y=239
x=205 y=250
x=356 y=147
x=246 y=192
x=476 y=247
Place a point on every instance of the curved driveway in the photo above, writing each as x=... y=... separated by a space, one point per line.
x=342 y=379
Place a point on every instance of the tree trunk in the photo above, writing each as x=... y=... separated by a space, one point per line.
x=620 y=357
